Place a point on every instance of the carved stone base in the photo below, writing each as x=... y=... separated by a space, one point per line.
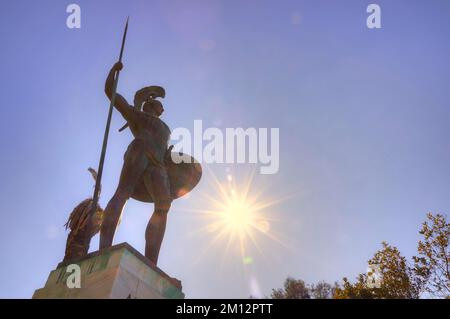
x=118 y=272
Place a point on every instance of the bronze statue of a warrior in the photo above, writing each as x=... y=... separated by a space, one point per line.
x=148 y=174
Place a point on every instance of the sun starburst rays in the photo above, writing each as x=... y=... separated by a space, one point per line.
x=236 y=217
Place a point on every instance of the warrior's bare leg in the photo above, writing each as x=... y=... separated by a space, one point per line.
x=155 y=233
x=157 y=183
x=134 y=166
x=112 y=215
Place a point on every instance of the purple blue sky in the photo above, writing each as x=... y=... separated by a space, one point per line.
x=363 y=117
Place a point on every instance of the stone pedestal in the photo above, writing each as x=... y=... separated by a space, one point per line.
x=119 y=272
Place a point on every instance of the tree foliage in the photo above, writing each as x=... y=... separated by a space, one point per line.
x=432 y=264
x=395 y=277
x=293 y=289
x=323 y=290
x=297 y=289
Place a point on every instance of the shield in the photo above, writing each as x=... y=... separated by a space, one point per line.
x=183 y=178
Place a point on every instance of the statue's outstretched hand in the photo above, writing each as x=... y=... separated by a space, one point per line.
x=117 y=66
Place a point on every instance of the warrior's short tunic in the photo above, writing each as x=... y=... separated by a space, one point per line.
x=151 y=136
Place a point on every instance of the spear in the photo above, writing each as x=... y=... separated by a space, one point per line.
x=108 y=124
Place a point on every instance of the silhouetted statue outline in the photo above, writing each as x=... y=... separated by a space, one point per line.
x=145 y=159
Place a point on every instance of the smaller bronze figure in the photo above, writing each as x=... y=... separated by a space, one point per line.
x=82 y=227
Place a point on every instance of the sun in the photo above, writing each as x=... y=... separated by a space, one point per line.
x=237 y=215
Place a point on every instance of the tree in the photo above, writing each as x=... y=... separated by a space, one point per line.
x=432 y=264
x=297 y=289
x=392 y=277
x=358 y=290
x=323 y=290
x=396 y=279
x=293 y=289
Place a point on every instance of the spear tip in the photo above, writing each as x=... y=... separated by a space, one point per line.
x=123 y=39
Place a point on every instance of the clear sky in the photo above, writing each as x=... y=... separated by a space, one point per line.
x=363 y=117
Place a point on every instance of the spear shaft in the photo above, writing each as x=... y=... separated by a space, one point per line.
x=108 y=124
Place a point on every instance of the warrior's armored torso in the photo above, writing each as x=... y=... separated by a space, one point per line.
x=153 y=134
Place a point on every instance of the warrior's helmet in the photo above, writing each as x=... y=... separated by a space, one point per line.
x=145 y=97
x=148 y=94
